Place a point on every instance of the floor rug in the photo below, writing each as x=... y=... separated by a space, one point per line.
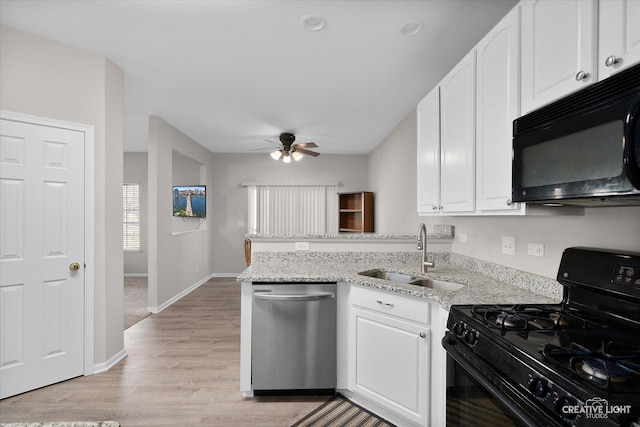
x=66 y=424
x=341 y=412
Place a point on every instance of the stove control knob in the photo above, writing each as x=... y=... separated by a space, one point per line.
x=458 y=328
x=539 y=387
x=471 y=337
x=564 y=407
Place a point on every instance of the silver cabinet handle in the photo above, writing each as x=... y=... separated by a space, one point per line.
x=423 y=335
x=509 y=202
x=611 y=61
x=581 y=75
x=434 y=208
x=386 y=304
x=294 y=297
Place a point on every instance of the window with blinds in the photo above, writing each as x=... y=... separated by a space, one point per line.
x=293 y=210
x=131 y=217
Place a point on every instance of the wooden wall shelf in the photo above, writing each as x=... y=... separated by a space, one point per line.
x=356 y=212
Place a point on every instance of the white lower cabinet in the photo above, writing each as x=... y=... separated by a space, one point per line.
x=389 y=356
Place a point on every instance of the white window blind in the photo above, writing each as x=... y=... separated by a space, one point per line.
x=293 y=210
x=131 y=216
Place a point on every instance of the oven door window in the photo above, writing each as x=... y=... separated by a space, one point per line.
x=470 y=404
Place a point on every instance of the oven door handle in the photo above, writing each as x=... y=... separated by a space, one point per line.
x=449 y=343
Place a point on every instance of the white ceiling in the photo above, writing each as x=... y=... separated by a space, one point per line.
x=229 y=73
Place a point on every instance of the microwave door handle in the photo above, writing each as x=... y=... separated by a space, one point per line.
x=631 y=154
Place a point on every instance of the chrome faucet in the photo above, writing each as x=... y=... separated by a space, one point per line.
x=422 y=246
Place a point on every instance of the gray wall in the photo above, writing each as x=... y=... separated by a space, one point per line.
x=392 y=175
x=135 y=172
x=229 y=210
x=48 y=79
x=180 y=251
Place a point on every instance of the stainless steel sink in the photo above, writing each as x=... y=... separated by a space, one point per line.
x=437 y=284
x=388 y=275
x=412 y=280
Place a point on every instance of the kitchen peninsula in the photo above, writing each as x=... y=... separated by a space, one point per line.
x=389 y=357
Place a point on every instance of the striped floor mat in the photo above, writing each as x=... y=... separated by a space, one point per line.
x=340 y=412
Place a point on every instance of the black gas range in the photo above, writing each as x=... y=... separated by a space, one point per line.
x=576 y=363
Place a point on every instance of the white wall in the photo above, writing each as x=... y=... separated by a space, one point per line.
x=392 y=175
x=135 y=172
x=44 y=78
x=229 y=211
x=613 y=228
x=176 y=260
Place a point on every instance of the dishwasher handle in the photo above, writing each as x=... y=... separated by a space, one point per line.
x=295 y=297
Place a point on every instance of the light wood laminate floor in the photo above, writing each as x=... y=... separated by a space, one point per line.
x=182 y=369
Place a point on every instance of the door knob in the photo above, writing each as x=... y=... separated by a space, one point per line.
x=74 y=266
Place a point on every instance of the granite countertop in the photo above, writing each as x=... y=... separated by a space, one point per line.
x=440 y=232
x=481 y=280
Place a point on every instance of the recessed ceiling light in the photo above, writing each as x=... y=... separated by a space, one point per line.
x=313 y=22
x=410 y=28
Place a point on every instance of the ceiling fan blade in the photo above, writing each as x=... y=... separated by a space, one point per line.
x=307 y=152
x=271 y=142
x=306 y=145
x=258 y=149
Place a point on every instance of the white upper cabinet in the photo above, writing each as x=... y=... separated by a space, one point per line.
x=429 y=153
x=457 y=137
x=619 y=36
x=446 y=143
x=559 y=42
x=498 y=104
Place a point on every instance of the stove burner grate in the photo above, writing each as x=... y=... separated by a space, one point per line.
x=527 y=318
x=615 y=366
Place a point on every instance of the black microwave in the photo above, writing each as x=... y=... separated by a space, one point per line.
x=583 y=149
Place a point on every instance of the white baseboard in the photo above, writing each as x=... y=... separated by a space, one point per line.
x=167 y=303
x=225 y=274
x=105 y=366
x=136 y=275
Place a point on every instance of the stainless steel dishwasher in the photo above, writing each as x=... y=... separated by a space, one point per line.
x=293 y=338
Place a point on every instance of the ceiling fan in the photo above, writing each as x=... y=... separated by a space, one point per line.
x=289 y=149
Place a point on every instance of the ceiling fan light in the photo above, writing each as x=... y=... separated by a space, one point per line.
x=287 y=158
x=276 y=155
x=296 y=156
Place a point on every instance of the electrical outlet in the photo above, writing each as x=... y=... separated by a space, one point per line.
x=302 y=246
x=535 y=249
x=509 y=245
x=462 y=238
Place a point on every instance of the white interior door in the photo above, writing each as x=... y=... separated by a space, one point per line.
x=41 y=237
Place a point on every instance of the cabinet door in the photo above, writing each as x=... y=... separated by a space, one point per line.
x=438 y=379
x=392 y=364
x=619 y=35
x=498 y=104
x=558 y=42
x=429 y=153
x=457 y=139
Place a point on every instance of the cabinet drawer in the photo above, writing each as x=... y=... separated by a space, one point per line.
x=413 y=309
